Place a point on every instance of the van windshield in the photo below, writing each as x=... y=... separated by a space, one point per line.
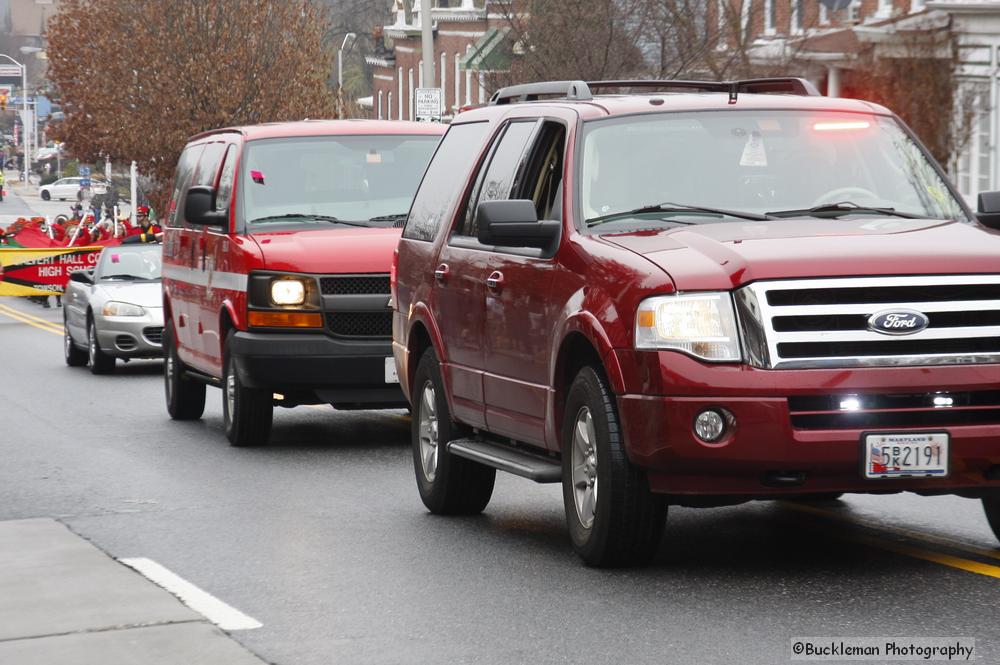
x=752 y=164
x=354 y=180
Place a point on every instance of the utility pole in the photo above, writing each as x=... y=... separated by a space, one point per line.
x=427 y=42
x=344 y=46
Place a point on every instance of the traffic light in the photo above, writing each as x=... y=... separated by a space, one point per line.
x=3 y=100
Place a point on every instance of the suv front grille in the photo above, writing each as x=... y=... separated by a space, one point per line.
x=824 y=322
x=354 y=285
x=899 y=410
x=360 y=324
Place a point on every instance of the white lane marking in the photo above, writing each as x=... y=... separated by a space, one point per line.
x=222 y=615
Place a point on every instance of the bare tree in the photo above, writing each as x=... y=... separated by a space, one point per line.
x=190 y=65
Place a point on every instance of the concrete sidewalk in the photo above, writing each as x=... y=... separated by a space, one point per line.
x=63 y=601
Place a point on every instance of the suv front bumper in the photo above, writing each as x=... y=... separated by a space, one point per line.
x=340 y=372
x=666 y=391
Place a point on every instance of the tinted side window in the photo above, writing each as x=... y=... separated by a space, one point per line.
x=498 y=178
x=185 y=168
x=439 y=189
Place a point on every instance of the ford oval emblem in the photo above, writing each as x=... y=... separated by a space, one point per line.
x=898 y=322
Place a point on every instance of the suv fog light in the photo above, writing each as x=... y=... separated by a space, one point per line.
x=709 y=426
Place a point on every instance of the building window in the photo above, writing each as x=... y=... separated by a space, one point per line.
x=884 y=9
x=916 y=6
x=795 y=23
x=399 y=95
x=458 y=80
x=409 y=80
x=746 y=8
x=824 y=14
x=975 y=161
x=770 y=16
x=389 y=105
x=379 y=116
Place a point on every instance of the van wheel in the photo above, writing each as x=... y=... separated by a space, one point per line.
x=100 y=362
x=991 y=505
x=247 y=412
x=448 y=485
x=74 y=357
x=185 y=398
x=613 y=517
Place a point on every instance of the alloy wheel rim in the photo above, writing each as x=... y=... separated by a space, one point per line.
x=584 y=459
x=67 y=341
x=428 y=432
x=170 y=375
x=230 y=393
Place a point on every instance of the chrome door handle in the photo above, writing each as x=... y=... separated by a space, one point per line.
x=441 y=274
x=495 y=280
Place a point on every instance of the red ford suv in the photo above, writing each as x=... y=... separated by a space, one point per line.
x=696 y=293
x=276 y=255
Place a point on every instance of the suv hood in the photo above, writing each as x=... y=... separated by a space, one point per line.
x=333 y=250
x=721 y=256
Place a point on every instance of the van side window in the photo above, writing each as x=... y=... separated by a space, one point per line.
x=224 y=194
x=182 y=180
x=436 y=197
x=499 y=177
x=208 y=165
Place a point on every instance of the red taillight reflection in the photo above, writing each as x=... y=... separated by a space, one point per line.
x=392 y=274
x=841 y=126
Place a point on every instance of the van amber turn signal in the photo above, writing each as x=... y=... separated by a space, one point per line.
x=285 y=320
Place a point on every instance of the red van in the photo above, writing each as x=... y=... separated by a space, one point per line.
x=276 y=252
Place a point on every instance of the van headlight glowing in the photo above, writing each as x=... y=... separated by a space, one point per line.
x=288 y=292
x=699 y=324
x=115 y=308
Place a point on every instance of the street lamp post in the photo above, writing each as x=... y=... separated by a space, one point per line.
x=348 y=38
x=24 y=116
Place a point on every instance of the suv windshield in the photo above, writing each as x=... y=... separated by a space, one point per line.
x=777 y=163
x=128 y=263
x=321 y=180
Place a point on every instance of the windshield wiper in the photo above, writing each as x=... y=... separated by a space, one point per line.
x=129 y=277
x=844 y=208
x=677 y=208
x=300 y=215
x=389 y=218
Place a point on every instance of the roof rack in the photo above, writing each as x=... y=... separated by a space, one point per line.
x=581 y=91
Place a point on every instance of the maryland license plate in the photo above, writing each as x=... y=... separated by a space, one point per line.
x=910 y=455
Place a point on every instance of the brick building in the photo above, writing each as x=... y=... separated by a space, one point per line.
x=470 y=41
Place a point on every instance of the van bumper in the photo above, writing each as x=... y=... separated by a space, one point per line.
x=315 y=368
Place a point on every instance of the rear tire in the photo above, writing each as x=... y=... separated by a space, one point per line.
x=75 y=357
x=991 y=506
x=613 y=517
x=448 y=485
x=185 y=398
x=100 y=362
x=247 y=412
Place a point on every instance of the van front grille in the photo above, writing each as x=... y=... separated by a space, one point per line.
x=825 y=322
x=360 y=324
x=354 y=285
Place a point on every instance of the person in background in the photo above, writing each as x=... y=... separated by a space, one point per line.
x=147 y=231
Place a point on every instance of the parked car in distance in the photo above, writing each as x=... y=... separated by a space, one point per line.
x=114 y=310
x=68 y=188
x=277 y=245
x=694 y=299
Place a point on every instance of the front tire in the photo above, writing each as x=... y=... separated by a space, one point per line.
x=448 y=485
x=74 y=357
x=247 y=412
x=185 y=398
x=613 y=517
x=991 y=505
x=100 y=362
x=46 y=196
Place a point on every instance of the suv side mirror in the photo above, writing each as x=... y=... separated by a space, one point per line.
x=988 y=209
x=514 y=223
x=199 y=207
x=82 y=276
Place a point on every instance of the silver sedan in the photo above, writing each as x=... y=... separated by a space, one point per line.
x=115 y=310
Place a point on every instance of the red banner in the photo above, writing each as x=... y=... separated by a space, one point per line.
x=34 y=272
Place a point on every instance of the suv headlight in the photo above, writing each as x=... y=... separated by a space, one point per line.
x=115 y=308
x=699 y=324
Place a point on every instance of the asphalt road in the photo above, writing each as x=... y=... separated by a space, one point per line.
x=322 y=538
